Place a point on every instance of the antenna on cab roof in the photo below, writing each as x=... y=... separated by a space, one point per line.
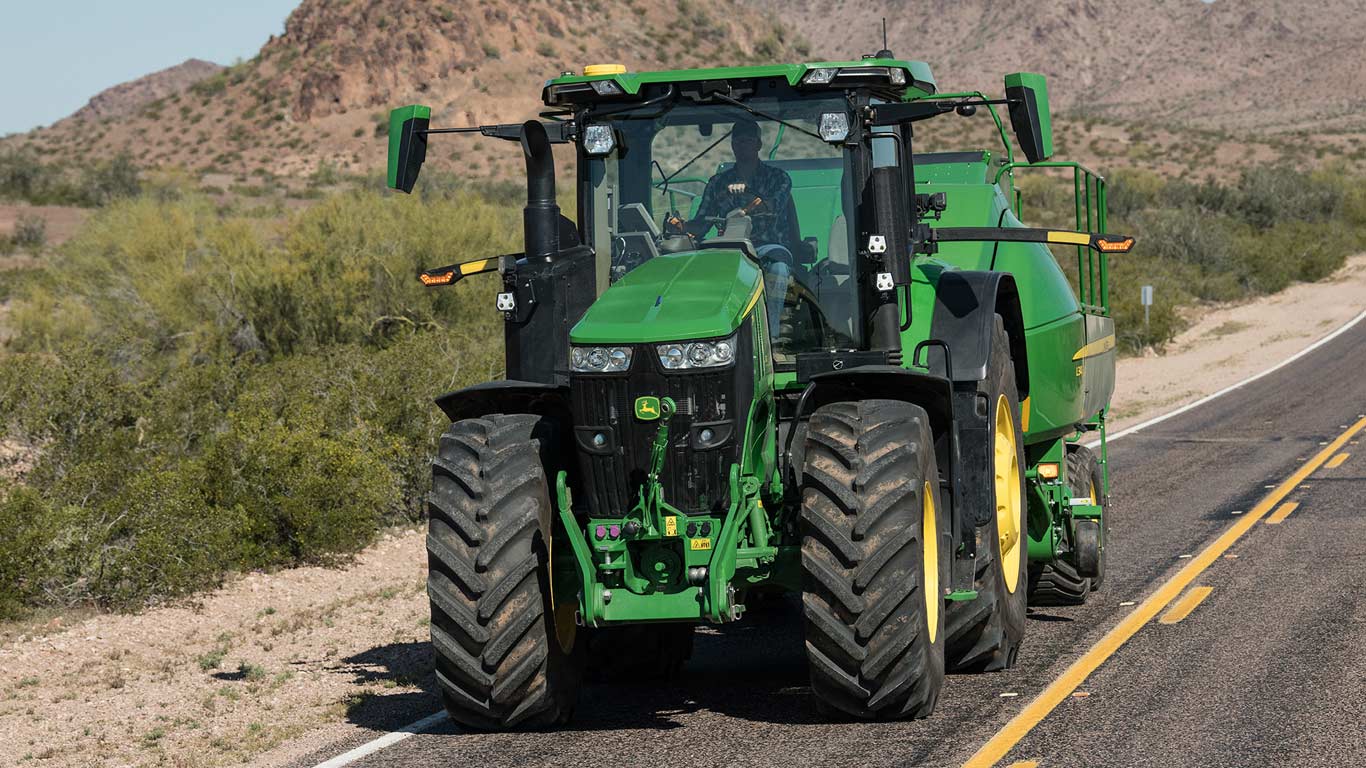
x=885 y=53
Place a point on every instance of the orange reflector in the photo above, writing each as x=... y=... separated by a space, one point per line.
x=1115 y=246
x=445 y=278
x=1048 y=471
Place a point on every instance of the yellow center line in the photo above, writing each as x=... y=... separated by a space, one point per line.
x=1282 y=512
x=1073 y=676
x=1337 y=460
x=1183 y=607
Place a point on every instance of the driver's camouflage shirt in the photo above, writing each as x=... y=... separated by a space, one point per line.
x=726 y=191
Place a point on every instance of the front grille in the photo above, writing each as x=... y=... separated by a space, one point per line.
x=694 y=478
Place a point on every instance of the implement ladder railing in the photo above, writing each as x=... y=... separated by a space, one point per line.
x=1088 y=188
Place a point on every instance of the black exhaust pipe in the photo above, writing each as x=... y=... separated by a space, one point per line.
x=553 y=287
x=541 y=217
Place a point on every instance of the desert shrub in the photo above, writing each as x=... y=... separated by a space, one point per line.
x=211 y=395
x=1131 y=190
x=24 y=177
x=30 y=232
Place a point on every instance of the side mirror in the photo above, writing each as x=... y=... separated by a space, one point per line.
x=407 y=144
x=1029 y=117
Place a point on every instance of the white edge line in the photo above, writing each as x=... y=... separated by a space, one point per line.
x=1159 y=419
x=389 y=739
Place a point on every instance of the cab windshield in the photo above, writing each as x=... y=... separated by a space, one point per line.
x=685 y=176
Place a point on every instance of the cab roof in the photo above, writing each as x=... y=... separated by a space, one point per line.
x=919 y=81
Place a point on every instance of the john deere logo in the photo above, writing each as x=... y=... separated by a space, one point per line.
x=647 y=408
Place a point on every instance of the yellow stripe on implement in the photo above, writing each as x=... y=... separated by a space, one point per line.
x=1058 y=691
x=1070 y=238
x=1282 y=513
x=1096 y=347
x=472 y=267
x=1183 y=607
x=1024 y=414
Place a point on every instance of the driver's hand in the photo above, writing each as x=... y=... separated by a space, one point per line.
x=675 y=225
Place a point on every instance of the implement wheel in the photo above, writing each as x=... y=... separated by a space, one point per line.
x=874 y=560
x=1061 y=582
x=505 y=656
x=985 y=634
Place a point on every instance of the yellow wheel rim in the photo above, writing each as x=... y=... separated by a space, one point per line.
x=1007 y=465
x=930 y=558
x=561 y=612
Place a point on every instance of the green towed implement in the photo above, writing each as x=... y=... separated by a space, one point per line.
x=780 y=351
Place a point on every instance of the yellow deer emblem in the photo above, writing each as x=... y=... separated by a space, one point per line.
x=647 y=408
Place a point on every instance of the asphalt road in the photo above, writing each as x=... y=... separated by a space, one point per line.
x=1269 y=669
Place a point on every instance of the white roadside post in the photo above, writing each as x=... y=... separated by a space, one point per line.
x=1146 y=297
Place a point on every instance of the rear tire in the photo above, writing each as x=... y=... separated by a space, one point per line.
x=984 y=634
x=874 y=560
x=1059 y=582
x=501 y=662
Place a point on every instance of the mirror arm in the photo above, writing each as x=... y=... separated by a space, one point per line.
x=558 y=132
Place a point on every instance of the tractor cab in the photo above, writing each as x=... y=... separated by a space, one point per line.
x=764 y=161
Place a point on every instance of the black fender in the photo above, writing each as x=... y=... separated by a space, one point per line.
x=507 y=397
x=883 y=382
x=966 y=303
x=931 y=392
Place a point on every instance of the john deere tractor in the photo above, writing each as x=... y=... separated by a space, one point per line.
x=777 y=350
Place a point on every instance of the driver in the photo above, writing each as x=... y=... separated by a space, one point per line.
x=754 y=188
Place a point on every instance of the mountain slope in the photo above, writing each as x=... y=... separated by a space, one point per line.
x=128 y=98
x=1215 y=83
x=1244 y=64
x=319 y=93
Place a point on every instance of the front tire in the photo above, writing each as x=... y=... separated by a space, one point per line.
x=984 y=634
x=874 y=560
x=505 y=657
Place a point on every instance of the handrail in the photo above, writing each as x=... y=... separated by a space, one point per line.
x=1091 y=209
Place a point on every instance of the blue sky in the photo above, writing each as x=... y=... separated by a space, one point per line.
x=56 y=54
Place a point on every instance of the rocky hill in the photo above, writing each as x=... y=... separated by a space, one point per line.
x=1246 y=65
x=1249 y=79
x=320 y=92
x=126 y=99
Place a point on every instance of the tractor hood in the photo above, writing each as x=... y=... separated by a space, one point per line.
x=695 y=295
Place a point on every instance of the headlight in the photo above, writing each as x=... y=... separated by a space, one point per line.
x=598 y=139
x=606 y=88
x=820 y=76
x=834 y=126
x=681 y=355
x=600 y=359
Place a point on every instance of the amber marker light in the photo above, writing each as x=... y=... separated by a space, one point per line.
x=444 y=278
x=1048 y=471
x=1115 y=246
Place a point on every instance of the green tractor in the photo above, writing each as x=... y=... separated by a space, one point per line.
x=778 y=351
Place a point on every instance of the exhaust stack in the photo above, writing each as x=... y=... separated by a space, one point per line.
x=541 y=216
